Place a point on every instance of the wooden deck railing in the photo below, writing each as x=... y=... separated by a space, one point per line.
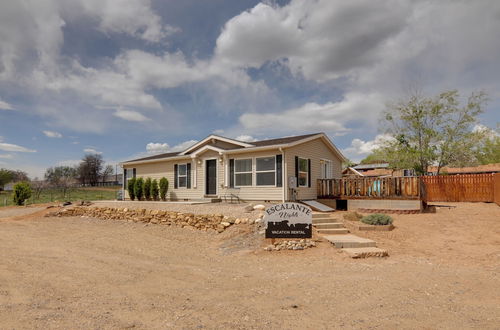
x=371 y=188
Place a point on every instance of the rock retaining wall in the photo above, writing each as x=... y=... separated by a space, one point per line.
x=217 y=222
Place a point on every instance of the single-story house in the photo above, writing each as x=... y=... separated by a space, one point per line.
x=280 y=169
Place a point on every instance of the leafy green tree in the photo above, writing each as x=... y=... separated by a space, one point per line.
x=22 y=192
x=163 y=188
x=131 y=188
x=431 y=130
x=487 y=151
x=138 y=186
x=146 y=189
x=154 y=190
x=6 y=176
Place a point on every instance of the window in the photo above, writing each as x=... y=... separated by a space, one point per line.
x=266 y=171
x=303 y=172
x=243 y=172
x=182 y=176
x=326 y=169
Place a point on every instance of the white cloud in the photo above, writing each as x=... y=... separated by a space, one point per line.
x=331 y=117
x=52 y=134
x=92 y=151
x=6 y=156
x=69 y=162
x=13 y=147
x=359 y=149
x=5 y=106
x=158 y=148
x=130 y=115
x=246 y=138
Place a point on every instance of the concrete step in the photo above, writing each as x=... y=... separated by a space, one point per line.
x=334 y=231
x=365 y=252
x=324 y=220
x=349 y=241
x=329 y=225
x=322 y=214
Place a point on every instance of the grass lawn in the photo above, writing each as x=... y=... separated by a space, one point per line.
x=52 y=195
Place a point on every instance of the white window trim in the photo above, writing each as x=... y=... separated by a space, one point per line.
x=179 y=176
x=329 y=167
x=267 y=171
x=246 y=172
x=307 y=173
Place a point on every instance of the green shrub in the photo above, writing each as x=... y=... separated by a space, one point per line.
x=377 y=219
x=163 y=188
x=154 y=190
x=131 y=188
x=139 y=183
x=146 y=189
x=22 y=191
x=353 y=216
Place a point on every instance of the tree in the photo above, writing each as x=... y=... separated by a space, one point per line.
x=138 y=192
x=131 y=188
x=90 y=169
x=6 y=176
x=487 y=151
x=22 y=192
x=38 y=186
x=146 y=189
x=431 y=130
x=61 y=177
x=154 y=190
x=108 y=170
x=163 y=188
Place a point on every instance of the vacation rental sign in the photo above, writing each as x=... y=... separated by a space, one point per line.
x=288 y=220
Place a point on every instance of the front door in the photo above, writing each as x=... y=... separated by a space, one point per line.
x=211 y=177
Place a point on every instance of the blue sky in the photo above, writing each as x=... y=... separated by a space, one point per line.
x=128 y=78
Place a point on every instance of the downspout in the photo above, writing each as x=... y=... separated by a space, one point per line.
x=283 y=174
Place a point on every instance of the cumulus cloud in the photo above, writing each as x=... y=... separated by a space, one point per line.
x=359 y=149
x=5 y=106
x=130 y=115
x=331 y=117
x=158 y=148
x=52 y=134
x=92 y=151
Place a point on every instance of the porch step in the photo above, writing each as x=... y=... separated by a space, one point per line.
x=323 y=220
x=365 y=252
x=328 y=225
x=334 y=231
x=322 y=215
x=349 y=241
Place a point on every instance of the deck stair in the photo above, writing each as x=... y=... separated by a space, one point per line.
x=333 y=230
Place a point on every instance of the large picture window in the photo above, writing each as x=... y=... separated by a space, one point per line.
x=303 y=172
x=243 y=172
x=182 y=176
x=266 y=171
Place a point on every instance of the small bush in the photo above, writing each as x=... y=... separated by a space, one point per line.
x=139 y=183
x=353 y=216
x=377 y=219
x=154 y=190
x=146 y=189
x=131 y=188
x=163 y=188
x=22 y=191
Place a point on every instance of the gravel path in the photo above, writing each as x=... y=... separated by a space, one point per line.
x=233 y=210
x=14 y=211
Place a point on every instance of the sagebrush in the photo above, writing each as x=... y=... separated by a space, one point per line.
x=377 y=219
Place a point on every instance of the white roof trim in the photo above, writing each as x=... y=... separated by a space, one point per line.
x=145 y=161
x=205 y=148
x=216 y=137
x=355 y=171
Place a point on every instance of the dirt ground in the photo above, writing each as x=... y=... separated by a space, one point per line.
x=80 y=273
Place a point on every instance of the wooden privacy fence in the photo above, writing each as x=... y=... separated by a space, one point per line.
x=459 y=188
x=370 y=188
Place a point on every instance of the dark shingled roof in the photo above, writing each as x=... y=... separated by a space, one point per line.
x=262 y=143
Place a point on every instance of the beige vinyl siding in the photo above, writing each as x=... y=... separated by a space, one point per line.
x=254 y=192
x=314 y=150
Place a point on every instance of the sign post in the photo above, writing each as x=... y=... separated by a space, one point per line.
x=288 y=220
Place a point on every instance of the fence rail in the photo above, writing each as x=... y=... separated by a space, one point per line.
x=459 y=188
x=371 y=188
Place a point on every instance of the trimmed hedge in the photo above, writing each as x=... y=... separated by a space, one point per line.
x=22 y=192
x=131 y=188
x=139 y=183
x=154 y=190
x=146 y=189
x=377 y=219
x=163 y=188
